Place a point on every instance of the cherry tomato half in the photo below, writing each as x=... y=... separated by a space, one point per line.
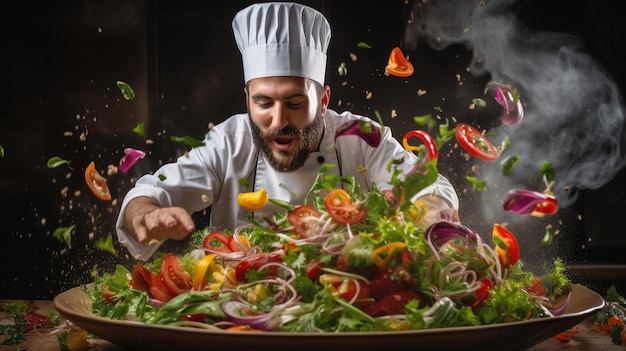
x=475 y=143
x=301 y=219
x=429 y=143
x=341 y=209
x=97 y=183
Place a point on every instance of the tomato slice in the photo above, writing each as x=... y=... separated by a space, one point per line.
x=341 y=209
x=301 y=219
x=398 y=65
x=217 y=241
x=429 y=143
x=475 y=143
x=175 y=280
x=567 y=335
x=144 y=280
x=313 y=269
x=97 y=183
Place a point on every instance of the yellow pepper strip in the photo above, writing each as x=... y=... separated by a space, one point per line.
x=409 y=147
x=388 y=249
x=253 y=201
x=201 y=268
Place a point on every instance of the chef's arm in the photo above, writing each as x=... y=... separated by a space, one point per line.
x=145 y=222
x=438 y=202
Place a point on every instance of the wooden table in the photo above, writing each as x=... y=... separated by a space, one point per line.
x=587 y=338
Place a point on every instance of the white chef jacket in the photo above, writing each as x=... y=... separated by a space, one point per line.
x=212 y=174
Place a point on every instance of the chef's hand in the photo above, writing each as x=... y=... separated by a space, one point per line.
x=150 y=223
x=435 y=209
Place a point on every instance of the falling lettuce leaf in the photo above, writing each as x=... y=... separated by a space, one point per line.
x=477 y=184
x=56 y=161
x=106 y=244
x=508 y=164
x=342 y=70
x=364 y=45
x=1 y=151
x=64 y=235
x=547 y=238
x=127 y=91
x=479 y=102
x=547 y=173
x=140 y=129
x=187 y=140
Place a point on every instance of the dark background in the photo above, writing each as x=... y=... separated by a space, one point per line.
x=61 y=61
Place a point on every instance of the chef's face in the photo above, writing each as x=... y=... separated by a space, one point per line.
x=286 y=114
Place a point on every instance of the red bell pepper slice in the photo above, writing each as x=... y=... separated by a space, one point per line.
x=429 y=143
x=506 y=248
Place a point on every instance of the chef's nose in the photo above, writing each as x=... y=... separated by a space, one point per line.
x=279 y=116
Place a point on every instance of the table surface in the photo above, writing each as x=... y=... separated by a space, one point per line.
x=587 y=338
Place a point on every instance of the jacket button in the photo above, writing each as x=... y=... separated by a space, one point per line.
x=320 y=159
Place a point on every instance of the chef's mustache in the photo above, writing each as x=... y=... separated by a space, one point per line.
x=287 y=131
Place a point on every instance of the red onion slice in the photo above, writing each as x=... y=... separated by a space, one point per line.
x=527 y=202
x=266 y=321
x=364 y=130
x=131 y=156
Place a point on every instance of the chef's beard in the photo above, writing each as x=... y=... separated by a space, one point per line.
x=306 y=137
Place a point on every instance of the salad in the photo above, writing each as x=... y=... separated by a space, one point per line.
x=343 y=261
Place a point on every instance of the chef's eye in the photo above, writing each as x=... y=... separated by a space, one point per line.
x=295 y=105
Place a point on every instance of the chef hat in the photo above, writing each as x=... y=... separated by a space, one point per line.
x=282 y=39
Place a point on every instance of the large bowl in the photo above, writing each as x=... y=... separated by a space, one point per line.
x=75 y=305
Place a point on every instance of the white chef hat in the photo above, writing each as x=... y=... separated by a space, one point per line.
x=282 y=39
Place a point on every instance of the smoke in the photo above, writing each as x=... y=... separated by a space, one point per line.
x=574 y=115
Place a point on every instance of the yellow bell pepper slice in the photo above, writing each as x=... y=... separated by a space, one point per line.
x=388 y=251
x=201 y=268
x=253 y=201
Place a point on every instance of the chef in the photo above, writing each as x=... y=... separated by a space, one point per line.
x=279 y=145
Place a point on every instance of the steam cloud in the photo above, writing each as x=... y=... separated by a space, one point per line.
x=574 y=117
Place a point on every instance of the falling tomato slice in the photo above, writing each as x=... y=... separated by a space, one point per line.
x=398 y=65
x=475 y=143
x=97 y=183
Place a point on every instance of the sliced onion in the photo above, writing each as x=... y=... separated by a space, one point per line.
x=561 y=309
x=513 y=110
x=266 y=321
x=131 y=156
x=439 y=233
x=528 y=202
x=363 y=129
